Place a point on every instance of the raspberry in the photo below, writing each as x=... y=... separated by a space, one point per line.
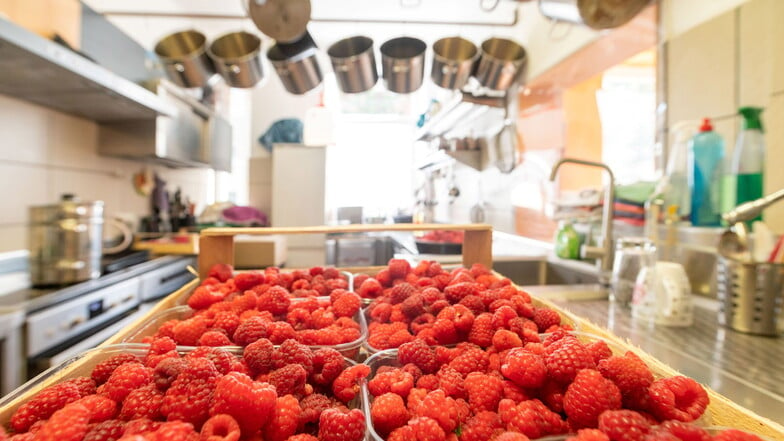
x=504 y=339
x=250 y=330
x=677 y=398
x=456 y=292
x=167 y=371
x=221 y=271
x=623 y=425
x=178 y=430
x=484 y=391
x=482 y=330
x=589 y=435
x=346 y=385
x=124 y=379
x=293 y=352
x=400 y=292
x=398 y=268
x=600 y=350
x=552 y=394
x=188 y=398
x=481 y=427
x=104 y=369
x=161 y=345
x=337 y=425
x=420 y=354
x=258 y=356
x=685 y=431
x=511 y=436
x=285 y=419
x=214 y=338
x=312 y=406
x=502 y=316
x=85 y=385
x=280 y=332
x=588 y=396
x=567 y=359
x=245 y=302
x=628 y=372
x=144 y=402
x=451 y=381
x=67 y=424
x=250 y=403
x=439 y=407
x=327 y=365
x=388 y=412
x=428 y=382
x=369 y=288
x=204 y=296
x=345 y=304
x=515 y=393
x=473 y=303
x=524 y=368
x=471 y=360
x=108 y=430
x=445 y=332
x=302 y=437
x=419 y=429
x=289 y=379
x=545 y=318
x=188 y=332
x=395 y=381
x=275 y=300
x=220 y=427
x=531 y=418
x=735 y=435
x=249 y=279
x=134 y=427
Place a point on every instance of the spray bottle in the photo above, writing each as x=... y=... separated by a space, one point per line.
x=745 y=180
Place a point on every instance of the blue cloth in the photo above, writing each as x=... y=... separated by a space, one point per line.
x=283 y=130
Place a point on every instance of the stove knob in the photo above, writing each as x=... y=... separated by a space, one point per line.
x=76 y=322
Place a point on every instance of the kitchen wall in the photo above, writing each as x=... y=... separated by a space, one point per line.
x=45 y=153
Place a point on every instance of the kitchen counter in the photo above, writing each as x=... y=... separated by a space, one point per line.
x=744 y=368
x=506 y=247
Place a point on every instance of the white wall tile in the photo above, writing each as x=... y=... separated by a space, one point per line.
x=13 y=237
x=774 y=179
x=23 y=186
x=25 y=130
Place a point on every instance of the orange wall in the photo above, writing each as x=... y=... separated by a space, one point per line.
x=583 y=135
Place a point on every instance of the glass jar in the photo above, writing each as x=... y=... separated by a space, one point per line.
x=631 y=255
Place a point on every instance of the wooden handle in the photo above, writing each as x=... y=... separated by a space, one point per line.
x=216 y=245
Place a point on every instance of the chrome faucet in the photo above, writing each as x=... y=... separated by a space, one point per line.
x=604 y=251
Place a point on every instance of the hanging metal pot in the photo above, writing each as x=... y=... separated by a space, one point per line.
x=403 y=64
x=453 y=62
x=354 y=64
x=285 y=21
x=596 y=14
x=502 y=64
x=237 y=59
x=184 y=58
x=296 y=65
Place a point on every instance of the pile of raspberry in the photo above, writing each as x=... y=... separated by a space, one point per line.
x=315 y=281
x=442 y=307
x=285 y=393
x=519 y=389
x=236 y=310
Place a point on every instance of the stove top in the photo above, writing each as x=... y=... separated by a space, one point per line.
x=116 y=262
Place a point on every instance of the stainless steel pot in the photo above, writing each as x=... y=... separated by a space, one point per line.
x=596 y=14
x=453 y=62
x=184 y=58
x=354 y=64
x=236 y=58
x=502 y=63
x=66 y=241
x=403 y=64
x=299 y=72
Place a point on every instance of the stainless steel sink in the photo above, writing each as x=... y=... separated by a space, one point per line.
x=554 y=279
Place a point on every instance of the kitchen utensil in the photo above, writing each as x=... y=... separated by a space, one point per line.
x=403 y=64
x=764 y=241
x=596 y=14
x=453 y=61
x=354 y=64
x=285 y=21
x=750 y=210
x=506 y=144
x=501 y=64
x=777 y=252
x=734 y=243
x=750 y=296
x=65 y=241
x=185 y=60
x=631 y=255
x=236 y=58
x=477 y=213
x=662 y=295
x=299 y=73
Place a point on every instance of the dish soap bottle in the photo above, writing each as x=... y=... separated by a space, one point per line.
x=706 y=155
x=745 y=180
x=567 y=241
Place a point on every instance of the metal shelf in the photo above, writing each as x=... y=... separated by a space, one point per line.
x=42 y=72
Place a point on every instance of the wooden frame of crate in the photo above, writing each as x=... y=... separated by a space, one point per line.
x=217 y=246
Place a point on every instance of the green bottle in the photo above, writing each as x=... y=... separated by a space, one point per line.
x=744 y=180
x=567 y=241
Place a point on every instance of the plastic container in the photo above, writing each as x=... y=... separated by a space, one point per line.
x=706 y=156
x=744 y=182
x=150 y=327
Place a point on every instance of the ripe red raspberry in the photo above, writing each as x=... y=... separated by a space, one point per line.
x=248 y=279
x=293 y=352
x=135 y=427
x=85 y=385
x=472 y=359
x=600 y=350
x=531 y=418
x=312 y=406
x=677 y=398
x=481 y=427
x=420 y=354
x=250 y=403
x=388 y=412
x=369 y=288
x=395 y=381
x=144 y=402
x=623 y=425
x=250 y=330
x=346 y=304
x=104 y=369
x=419 y=429
x=220 y=427
x=515 y=393
x=100 y=407
x=552 y=394
x=589 y=435
x=545 y=318
x=628 y=372
x=437 y=406
x=398 y=268
x=338 y=425
x=473 y=303
x=221 y=271
x=280 y=331
x=686 y=431
x=511 y=436
x=285 y=419
x=204 y=296
x=258 y=356
x=451 y=381
x=504 y=339
x=567 y=359
x=188 y=331
x=167 y=371
x=428 y=382
x=502 y=316
x=482 y=330
x=246 y=301
x=275 y=300
x=524 y=368
x=400 y=292
x=188 y=398
x=66 y=424
x=223 y=360
x=178 y=430
x=105 y=431
x=484 y=391
x=456 y=292
x=289 y=379
x=346 y=385
x=124 y=379
x=588 y=396
x=214 y=338
x=445 y=332
x=327 y=365
x=735 y=435
x=302 y=437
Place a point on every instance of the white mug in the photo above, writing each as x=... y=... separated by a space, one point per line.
x=662 y=295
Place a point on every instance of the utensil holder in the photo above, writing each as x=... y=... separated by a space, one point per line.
x=751 y=296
